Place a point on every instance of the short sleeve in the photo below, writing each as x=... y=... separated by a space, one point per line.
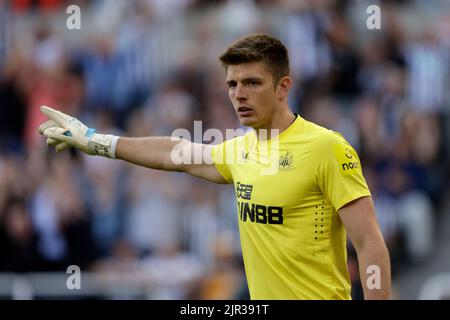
x=338 y=171
x=218 y=157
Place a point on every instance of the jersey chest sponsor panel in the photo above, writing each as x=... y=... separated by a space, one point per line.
x=292 y=240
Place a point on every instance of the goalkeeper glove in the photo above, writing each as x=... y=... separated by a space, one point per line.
x=63 y=131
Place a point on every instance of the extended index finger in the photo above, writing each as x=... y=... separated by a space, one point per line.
x=61 y=118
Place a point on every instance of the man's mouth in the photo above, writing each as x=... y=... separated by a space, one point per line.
x=244 y=111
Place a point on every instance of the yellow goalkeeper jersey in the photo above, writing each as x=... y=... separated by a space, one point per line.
x=288 y=192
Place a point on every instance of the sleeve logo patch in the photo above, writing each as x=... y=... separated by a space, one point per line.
x=347 y=158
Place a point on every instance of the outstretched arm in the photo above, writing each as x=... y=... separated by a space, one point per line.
x=362 y=227
x=169 y=153
x=161 y=153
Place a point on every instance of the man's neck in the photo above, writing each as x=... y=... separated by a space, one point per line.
x=280 y=122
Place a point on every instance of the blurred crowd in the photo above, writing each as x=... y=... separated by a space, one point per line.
x=139 y=68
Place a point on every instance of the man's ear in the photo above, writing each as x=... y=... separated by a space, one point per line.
x=283 y=86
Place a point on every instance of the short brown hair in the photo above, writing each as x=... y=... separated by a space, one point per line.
x=259 y=47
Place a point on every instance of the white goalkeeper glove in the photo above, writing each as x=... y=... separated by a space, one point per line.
x=63 y=131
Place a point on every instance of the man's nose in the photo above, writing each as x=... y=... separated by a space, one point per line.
x=240 y=92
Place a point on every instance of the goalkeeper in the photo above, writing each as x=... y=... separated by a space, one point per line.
x=294 y=220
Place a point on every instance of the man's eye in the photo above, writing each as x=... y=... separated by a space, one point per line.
x=253 y=83
x=231 y=85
